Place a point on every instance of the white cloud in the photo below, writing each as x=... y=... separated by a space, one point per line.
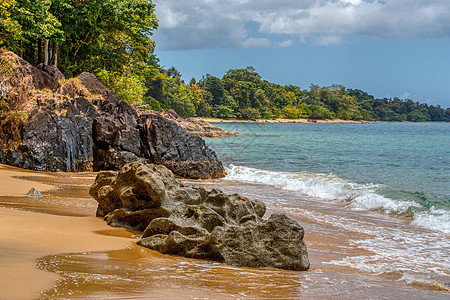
x=286 y=43
x=256 y=43
x=220 y=24
x=326 y=40
x=169 y=18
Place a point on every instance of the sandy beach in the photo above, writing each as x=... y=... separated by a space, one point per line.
x=26 y=236
x=84 y=258
x=218 y=120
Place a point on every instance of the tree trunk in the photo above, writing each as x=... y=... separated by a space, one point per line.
x=46 y=52
x=55 y=54
x=39 y=51
x=50 y=53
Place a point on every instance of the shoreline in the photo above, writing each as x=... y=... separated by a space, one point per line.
x=218 y=120
x=88 y=258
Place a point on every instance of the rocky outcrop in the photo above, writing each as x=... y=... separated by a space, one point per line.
x=52 y=124
x=126 y=136
x=186 y=220
x=200 y=128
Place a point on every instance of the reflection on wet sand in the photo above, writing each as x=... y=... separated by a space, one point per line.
x=104 y=263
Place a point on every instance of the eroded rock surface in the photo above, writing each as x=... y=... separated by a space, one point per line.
x=200 y=128
x=52 y=124
x=126 y=136
x=186 y=220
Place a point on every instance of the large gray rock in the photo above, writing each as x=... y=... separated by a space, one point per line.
x=80 y=125
x=187 y=220
x=125 y=137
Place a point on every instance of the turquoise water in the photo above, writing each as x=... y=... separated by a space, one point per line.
x=387 y=181
x=393 y=167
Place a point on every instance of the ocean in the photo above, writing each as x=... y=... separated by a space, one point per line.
x=373 y=200
x=389 y=183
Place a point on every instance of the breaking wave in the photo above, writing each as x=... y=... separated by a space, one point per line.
x=332 y=188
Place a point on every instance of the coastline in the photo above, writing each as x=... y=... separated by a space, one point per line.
x=218 y=120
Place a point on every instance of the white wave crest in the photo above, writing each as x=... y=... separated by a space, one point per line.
x=434 y=219
x=331 y=187
x=323 y=186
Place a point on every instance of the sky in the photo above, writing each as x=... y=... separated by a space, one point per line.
x=388 y=48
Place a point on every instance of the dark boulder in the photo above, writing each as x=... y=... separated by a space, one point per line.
x=190 y=221
x=125 y=137
x=93 y=85
x=79 y=125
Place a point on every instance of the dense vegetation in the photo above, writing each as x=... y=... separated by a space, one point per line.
x=111 y=38
x=241 y=93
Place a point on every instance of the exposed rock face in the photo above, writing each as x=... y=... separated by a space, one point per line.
x=127 y=136
x=80 y=125
x=186 y=220
x=198 y=127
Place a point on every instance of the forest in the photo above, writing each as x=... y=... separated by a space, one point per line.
x=112 y=39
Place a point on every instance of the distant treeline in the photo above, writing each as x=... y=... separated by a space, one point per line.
x=111 y=38
x=243 y=94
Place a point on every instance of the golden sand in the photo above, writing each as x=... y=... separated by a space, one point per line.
x=218 y=120
x=26 y=236
x=11 y=185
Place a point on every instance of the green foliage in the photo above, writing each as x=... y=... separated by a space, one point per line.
x=321 y=112
x=249 y=113
x=216 y=88
x=10 y=30
x=242 y=93
x=128 y=86
x=88 y=35
x=418 y=116
x=109 y=34
x=223 y=111
x=292 y=112
x=26 y=21
x=183 y=107
x=152 y=103
x=112 y=38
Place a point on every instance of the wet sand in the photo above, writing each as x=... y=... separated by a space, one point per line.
x=11 y=185
x=84 y=258
x=26 y=236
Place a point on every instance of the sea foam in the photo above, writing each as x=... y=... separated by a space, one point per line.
x=332 y=188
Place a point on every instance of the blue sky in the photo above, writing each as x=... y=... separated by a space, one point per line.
x=390 y=48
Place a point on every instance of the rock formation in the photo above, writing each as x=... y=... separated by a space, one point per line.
x=187 y=220
x=194 y=126
x=34 y=193
x=52 y=124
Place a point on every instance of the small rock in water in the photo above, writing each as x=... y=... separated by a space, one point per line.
x=34 y=193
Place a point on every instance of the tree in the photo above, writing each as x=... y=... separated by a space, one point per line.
x=216 y=87
x=10 y=30
x=128 y=86
x=222 y=111
x=108 y=34
x=27 y=23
